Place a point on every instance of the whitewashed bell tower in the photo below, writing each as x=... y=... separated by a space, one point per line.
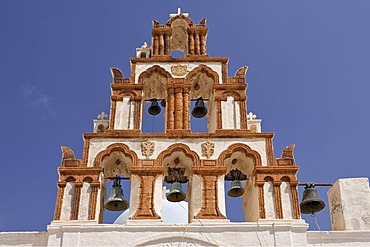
x=234 y=142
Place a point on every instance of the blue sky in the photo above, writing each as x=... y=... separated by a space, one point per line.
x=308 y=81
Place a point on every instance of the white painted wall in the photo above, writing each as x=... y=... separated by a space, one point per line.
x=125 y=112
x=67 y=201
x=269 y=197
x=286 y=200
x=141 y=67
x=221 y=144
x=84 y=208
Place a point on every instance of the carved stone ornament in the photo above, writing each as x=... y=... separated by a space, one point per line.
x=208 y=149
x=178 y=70
x=147 y=148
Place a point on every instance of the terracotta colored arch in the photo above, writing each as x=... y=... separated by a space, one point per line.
x=268 y=179
x=180 y=16
x=241 y=148
x=152 y=70
x=236 y=95
x=115 y=147
x=179 y=147
x=203 y=68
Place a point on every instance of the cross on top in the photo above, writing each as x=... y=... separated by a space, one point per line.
x=178 y=13
x=251 y=116
x=102 y=116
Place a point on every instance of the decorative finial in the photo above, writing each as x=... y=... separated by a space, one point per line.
x=178 y=13
x=251 y=116
x=145 y=45
x=102 y=116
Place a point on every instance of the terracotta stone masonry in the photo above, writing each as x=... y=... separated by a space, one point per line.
x=232 y=140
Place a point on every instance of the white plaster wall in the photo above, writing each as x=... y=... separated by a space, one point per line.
x=215 y=66
x=269 y=197
x=134 y=195
x=257 y=123
x=198 y=233
x=83 y=212
x=349 y=203
x=23 y=238
x=125 y=111
x=221 y=144
x=221 y=195
x=286 y=200
x=67 y=201
x=338 y=238
x=158 y=193
x=195 y=202
x=237 y=116
x=228 y=113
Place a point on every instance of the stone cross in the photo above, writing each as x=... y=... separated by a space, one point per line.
x=178 y=13
x=251 y=116
x=102 y=116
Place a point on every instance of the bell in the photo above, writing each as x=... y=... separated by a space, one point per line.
x=311 y=202
x=236 y=189
x=176 y=194
x=154 y=108
x=199 y=110
x=116 y=201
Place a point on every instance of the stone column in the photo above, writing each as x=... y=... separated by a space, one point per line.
x=161 y=44
x=202 y=44
x=191 y=43
x=294 y=191
x=171 y=109
x=243 y=115
x=261 y=199
x=186 y=107
x=277 y=192
x=147 y=178
x=76 y=200
x=197 y=43
x=112 y=112
x=167 y=44
x=93 y=199
x=59 y=201
x=178 y=108
x=156 y=45
x=210 y=209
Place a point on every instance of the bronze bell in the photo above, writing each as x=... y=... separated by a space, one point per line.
x=116 y=201
x=236 y=189
x=176 y=194
x=154 y=108
x=199 y=109
x=311 y=203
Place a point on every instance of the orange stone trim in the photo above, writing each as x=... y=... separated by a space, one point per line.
x=86 y=152
x=278 y=203
x=243 y=115
x=261 y=200
x=203 y=68
x=93 y=200
x=241 y=148
x=113 y=106
x=59 y=201
x=76 y=201
x=182 y=148
x=153 y=69
x=115 y=147
x=145 y=208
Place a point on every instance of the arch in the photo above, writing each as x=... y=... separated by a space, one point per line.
x=268 y=179
x=87 y=179
x=285 y=179
x=115 y=147
x=203 y=68
x=241 y=148
x=70 y=179
x=236 y=95
x=182 y=148
x=153 y=69
x=182 y=17
x=154 y=81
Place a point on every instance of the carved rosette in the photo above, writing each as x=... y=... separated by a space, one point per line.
x=147 y=148
x=178 y=70
x=208 y=149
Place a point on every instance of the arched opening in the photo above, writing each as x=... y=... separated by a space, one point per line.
x=153 y=123
x=240 y=162
x=110 y=217
x=116 y=160
x=198 y=125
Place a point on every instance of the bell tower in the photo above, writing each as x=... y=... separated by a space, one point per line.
x=233 y=148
